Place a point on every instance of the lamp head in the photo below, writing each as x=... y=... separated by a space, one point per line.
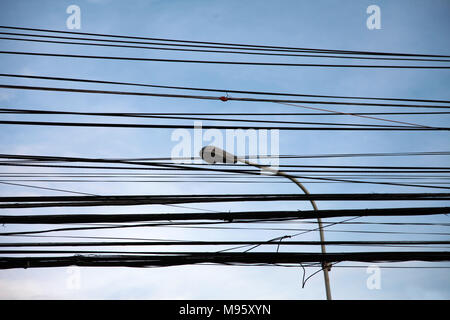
x=212 y=154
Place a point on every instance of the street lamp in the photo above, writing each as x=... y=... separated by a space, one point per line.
x=213 y=155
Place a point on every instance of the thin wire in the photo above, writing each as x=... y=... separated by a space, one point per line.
x=45 y=188
x=356 y=115
x=320 y=55
x=214 y=90
x=175 y=115
x=192 y=126
x=227 y=120
x=309 y=230
x=279 y=64
x=219 y=98
x=253 y=46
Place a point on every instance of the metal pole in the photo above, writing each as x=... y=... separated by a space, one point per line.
x=325 y=265
x=211 y=153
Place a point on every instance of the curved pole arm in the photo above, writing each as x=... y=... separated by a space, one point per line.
x=325 y=266
x=212 y=155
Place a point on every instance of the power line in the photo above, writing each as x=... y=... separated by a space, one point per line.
x=253 y=46
x=190 y=48
x=44 y=188
x=192 y=126
x=310 y=156
x=246 y=99
x=183 y=258
x=175 y=117
x=252 y=63
x=201 y=225
x=174 y=166
x=177 y=114
x=215 y=243
x=143 y=162
x=137 y=176
x=226 y=119
x=429 y=183
x=68 y=201
x=426 y=244
x=215 y=90
x=357 y=115
x=226 y=216
x=309 y=230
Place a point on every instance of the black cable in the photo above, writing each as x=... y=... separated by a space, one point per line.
x=130 y=161
x=190 y=49
x=192 y=126
x=200 y=225
x=332 y=155
x=362 y=223
x=68 y=201
x=173 y=166
x=369 y=173
x=73 y=251
x=227 y=120
x=251 y=171
x=278 y=64
x=238 y=197
x=226 y=219
x=214 y=90
x=211 y=119
x=149 y=94
x=309 y=230
x=224 y=43
x=429 y=183
x=16 y=111
x=184 y=258
x=138 y=177
x=217 y=243
x=177 y=114
x=232 y=216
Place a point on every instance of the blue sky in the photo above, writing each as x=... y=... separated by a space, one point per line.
x=407 y=26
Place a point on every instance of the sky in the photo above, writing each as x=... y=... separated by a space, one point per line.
x=406 y=26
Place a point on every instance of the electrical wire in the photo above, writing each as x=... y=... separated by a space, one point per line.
x=253 y=46
x=183 y=258
x=217 y=98
x=190 y=49
x=225 y=216
x=69 y=79
x=220 y=62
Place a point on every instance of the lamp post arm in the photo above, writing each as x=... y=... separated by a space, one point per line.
x=325 y=266
x=212 y=155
